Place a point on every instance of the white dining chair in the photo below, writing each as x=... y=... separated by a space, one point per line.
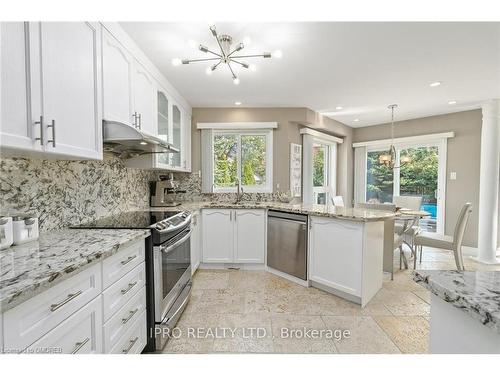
x=338 y=201
x=454 y=243
x=413 y=203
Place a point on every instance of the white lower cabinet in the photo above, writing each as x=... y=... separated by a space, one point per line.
x=80 y=333
x=195 y=241
x=80 y=315
x=26 y=323
x=233 y=235
x=346 y=257
x=134 y=339
x=117 y=325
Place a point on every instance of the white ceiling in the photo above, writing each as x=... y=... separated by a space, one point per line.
x=362 y=67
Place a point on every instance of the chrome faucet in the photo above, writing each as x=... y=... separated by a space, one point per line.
x=239 y=190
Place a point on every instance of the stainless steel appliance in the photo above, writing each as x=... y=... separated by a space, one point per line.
x=130 y=141
x=164 y=192
x=168 y=266
x=287 y=243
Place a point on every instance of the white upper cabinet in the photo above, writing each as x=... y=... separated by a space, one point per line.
x=51 y=88
x=71 y=82
x=16 y=130
x=144 y=99
x=117 y=81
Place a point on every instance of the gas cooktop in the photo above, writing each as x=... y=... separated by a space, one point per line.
x=129 y=220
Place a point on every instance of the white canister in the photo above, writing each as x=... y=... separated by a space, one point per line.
x=6 y=232
x=25 y=229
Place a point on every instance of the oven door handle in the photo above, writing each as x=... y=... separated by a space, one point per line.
x=169 y=248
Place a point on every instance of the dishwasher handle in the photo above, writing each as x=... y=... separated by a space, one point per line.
x=280 y=215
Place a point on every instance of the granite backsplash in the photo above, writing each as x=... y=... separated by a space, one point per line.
x=63 y=193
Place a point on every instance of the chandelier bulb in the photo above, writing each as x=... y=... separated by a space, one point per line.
x=236 y=80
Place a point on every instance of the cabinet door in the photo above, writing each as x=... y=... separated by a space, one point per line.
x=81 y=333
x=163 y=126
x=17 y=129
x=117 y=81
x=195 y=242
x=217 y=236
x=250 y=236
x=144 y=99
x=336 y=254
x=176 y=158
x=186 y=141
x=71 y=82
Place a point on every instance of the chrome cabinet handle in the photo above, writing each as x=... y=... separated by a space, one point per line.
x=231 y=215
x=132 y=313
x=140 y=120
x=130 y=286
x=70 y=297
x=135 y=119
x=132 y=342
x=53 y=126
x=80 y=345
x=41 y=130
x=128 y=260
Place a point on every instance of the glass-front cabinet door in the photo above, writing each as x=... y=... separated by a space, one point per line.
x=163 y=125
x=176 y=136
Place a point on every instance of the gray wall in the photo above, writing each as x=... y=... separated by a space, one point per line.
x=289 y=120
x=463 y=158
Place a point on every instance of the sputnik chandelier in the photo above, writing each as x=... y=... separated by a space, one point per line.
x=389 y=159
x=227 y=55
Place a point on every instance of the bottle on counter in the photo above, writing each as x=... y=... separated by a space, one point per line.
x=6 y=232
x=25 y=229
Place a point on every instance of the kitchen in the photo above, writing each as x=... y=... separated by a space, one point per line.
x=128 y=214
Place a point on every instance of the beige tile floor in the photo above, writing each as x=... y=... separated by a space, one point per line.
x=256 y=308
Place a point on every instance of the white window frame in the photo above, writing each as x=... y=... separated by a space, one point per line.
x=268 y=187
x=311 y=137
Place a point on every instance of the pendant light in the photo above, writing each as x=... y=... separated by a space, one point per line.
x=389 y=159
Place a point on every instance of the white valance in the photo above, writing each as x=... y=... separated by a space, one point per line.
x=236 y=125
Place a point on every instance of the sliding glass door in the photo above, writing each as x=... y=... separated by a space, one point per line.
x=423 y=175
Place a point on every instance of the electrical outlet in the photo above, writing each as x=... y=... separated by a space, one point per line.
x=453 y=175
x=277 y=185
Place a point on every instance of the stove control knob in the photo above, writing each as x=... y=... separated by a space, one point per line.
x=184 y=215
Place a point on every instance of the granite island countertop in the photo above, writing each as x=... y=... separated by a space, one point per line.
x=352 y=214
x=476 y=293
x=28 y=269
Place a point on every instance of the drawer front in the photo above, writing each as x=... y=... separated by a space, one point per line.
x=115 y=267
x=79 y=334
x=118 y=294
x=26 y=323
x=134 y=340
x=119 y=323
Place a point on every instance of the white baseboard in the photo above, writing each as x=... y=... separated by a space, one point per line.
x=472 y=251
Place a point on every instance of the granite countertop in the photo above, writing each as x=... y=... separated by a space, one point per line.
x=351 y=214
x=476 y=293
x=28 y=269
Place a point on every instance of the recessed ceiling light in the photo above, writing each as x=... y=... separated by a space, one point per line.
x=452 y=102
x=237 y=103
x=435 y=84
x=339 y=108
x=356 y=120
x=143 y=143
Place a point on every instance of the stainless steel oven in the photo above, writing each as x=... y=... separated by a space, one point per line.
x=172 y=279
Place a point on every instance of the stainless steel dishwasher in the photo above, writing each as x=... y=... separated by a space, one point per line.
x=287 y=243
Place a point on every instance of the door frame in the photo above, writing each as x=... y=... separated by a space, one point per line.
x=441 y=144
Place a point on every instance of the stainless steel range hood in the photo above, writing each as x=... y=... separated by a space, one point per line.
x=128 y=142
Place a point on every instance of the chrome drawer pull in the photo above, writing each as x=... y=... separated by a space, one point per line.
x=132 y=342
x=80 y=345
x=71 y=296
x=132 y=313
x=130 y=286
x=128 y=260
